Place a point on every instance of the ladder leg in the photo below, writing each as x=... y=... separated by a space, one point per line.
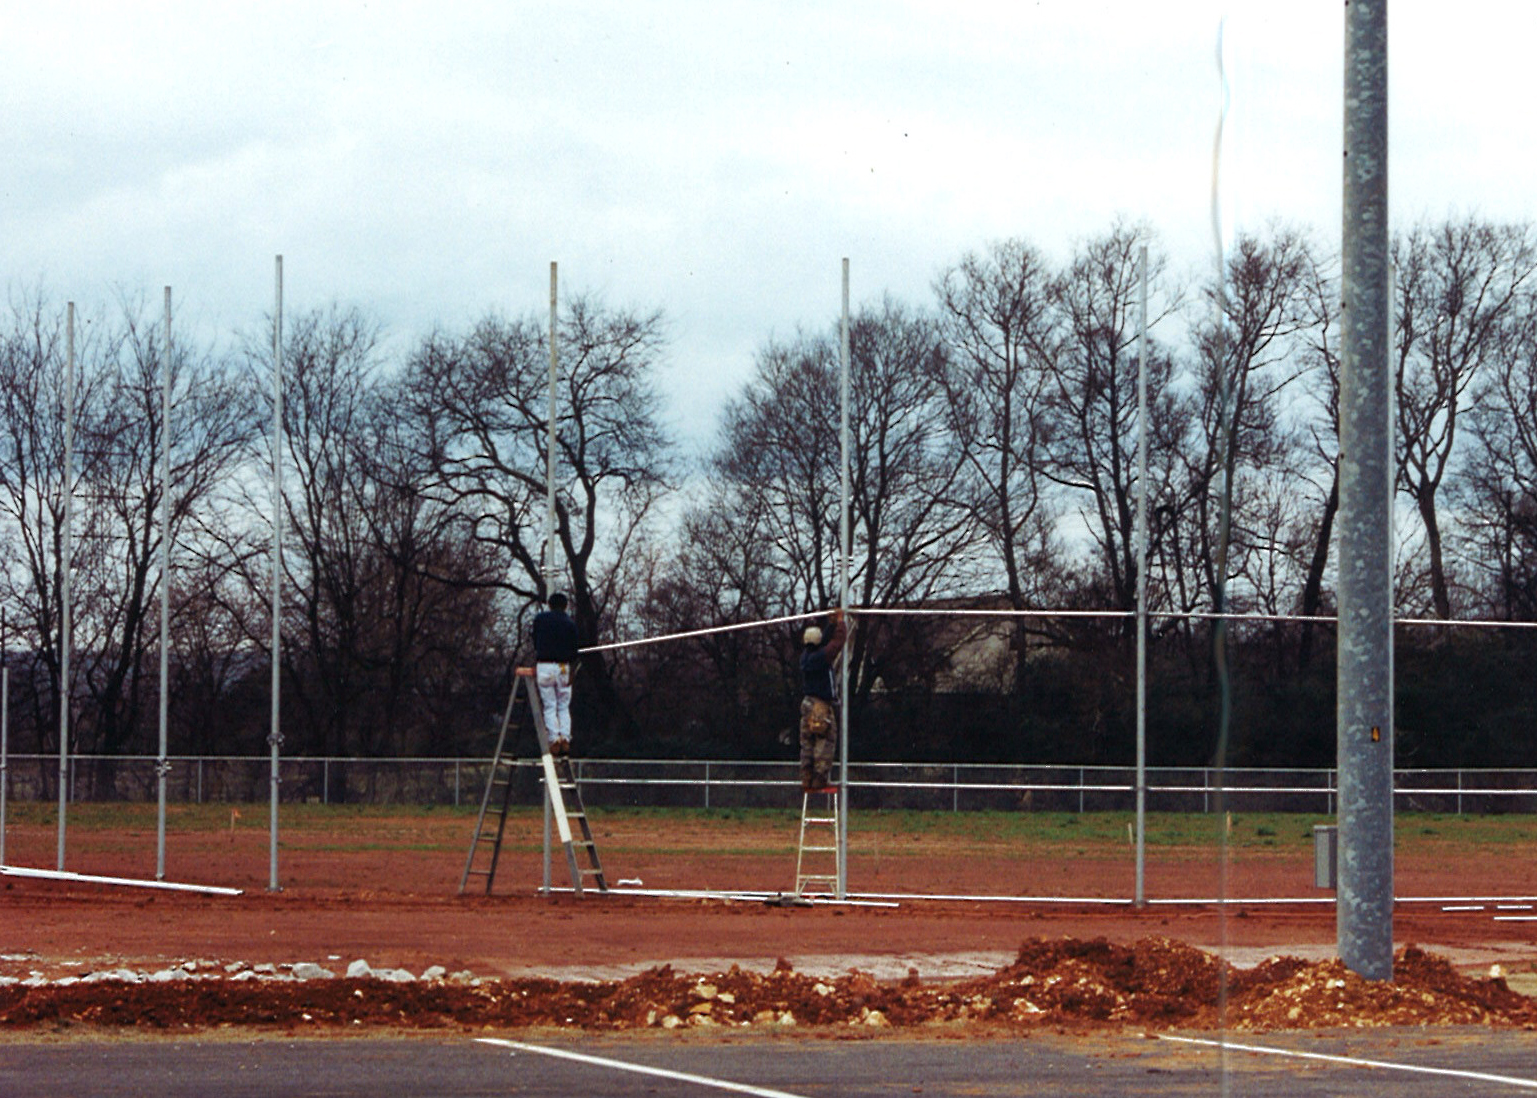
x=497 y=760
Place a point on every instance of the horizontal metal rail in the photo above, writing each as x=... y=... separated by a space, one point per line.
x=446 y=779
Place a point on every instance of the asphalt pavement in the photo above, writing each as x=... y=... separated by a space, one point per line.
x=1431 y=1063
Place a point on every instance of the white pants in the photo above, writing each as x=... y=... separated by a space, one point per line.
x=554 y=682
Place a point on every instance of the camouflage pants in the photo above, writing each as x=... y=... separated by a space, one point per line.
x=819 y=742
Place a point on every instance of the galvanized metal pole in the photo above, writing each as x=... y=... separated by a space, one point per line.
x=1364 y=912
x=549 y=455
x=274 y=736
x=843 y=599
x=5 y=750
x=65 y=564
x=548 y=583
x=1140 y=897
x=161 y=764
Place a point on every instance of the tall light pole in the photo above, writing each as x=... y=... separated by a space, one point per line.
x=162 y=765
x=1364 y=911
x=274 y=736
x=845 y=538
x=66 y=563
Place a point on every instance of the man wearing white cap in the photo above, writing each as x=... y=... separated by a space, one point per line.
x=818 y=723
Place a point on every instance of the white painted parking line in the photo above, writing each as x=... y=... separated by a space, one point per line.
x=1515 y=918
x=1464 y=907
x=1352 y=1061
x=639 y=1069
x=1512 y=907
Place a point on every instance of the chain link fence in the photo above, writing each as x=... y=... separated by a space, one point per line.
x=954 y=787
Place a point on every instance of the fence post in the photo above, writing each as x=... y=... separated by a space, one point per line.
x=456 y=783
x=1205 y=790
x=325 y=781
x=200 y=779
x=707 y=785
x=1459 y=791
x=955 y=788
x=1080 y=791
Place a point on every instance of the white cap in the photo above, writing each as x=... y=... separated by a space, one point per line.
x=812 y=636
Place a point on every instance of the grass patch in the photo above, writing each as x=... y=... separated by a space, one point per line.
x=741 y=830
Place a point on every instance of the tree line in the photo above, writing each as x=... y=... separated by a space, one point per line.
x=994 y=430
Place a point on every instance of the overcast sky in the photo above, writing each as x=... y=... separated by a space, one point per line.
x=427 y=161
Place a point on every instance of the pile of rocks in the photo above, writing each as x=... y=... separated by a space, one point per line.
x=1063 y=982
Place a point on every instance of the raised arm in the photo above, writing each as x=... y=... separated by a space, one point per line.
x=834 y=643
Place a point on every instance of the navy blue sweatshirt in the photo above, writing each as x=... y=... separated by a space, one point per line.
x=817 y=665
x=554 y=637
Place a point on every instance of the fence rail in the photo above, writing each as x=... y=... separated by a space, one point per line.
x=737 y=784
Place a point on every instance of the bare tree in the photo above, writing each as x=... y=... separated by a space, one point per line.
x=995 y=311
x=122 y=488
x=1459 y=284
x=481 y=403
x=1092 y=441
x=117 y=489
x=330 y=365
x=32 y=480
x=1498 y=481
x=1248 y=364
x=913 y=530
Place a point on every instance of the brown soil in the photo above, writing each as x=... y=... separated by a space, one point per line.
x=1153 y=982
x=385 y=891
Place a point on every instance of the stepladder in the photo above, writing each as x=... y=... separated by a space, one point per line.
x=562 y=792
x=816 y=855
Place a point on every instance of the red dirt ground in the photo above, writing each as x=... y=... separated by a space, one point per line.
x=392 y=902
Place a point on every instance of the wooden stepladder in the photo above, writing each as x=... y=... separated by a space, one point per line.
x=816 y=858
x=560 y=785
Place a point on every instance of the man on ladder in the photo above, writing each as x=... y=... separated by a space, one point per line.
x=555 y=652
x=819 y=744
x=819 y=721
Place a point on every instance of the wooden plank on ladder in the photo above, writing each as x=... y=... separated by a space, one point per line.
x=552 y=784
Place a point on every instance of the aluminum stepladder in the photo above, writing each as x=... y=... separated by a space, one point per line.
x=818 y=844
x=561 y=788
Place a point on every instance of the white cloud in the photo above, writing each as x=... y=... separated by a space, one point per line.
x=428 y=161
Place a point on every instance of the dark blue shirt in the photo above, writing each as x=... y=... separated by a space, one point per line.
x=817 y=665
x=817 y=674
x=554 y=637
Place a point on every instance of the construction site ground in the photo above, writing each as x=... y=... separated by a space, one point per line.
x=381 y=887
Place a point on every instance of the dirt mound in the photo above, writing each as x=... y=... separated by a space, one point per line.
x=1425 y=990
x=1152 y=982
